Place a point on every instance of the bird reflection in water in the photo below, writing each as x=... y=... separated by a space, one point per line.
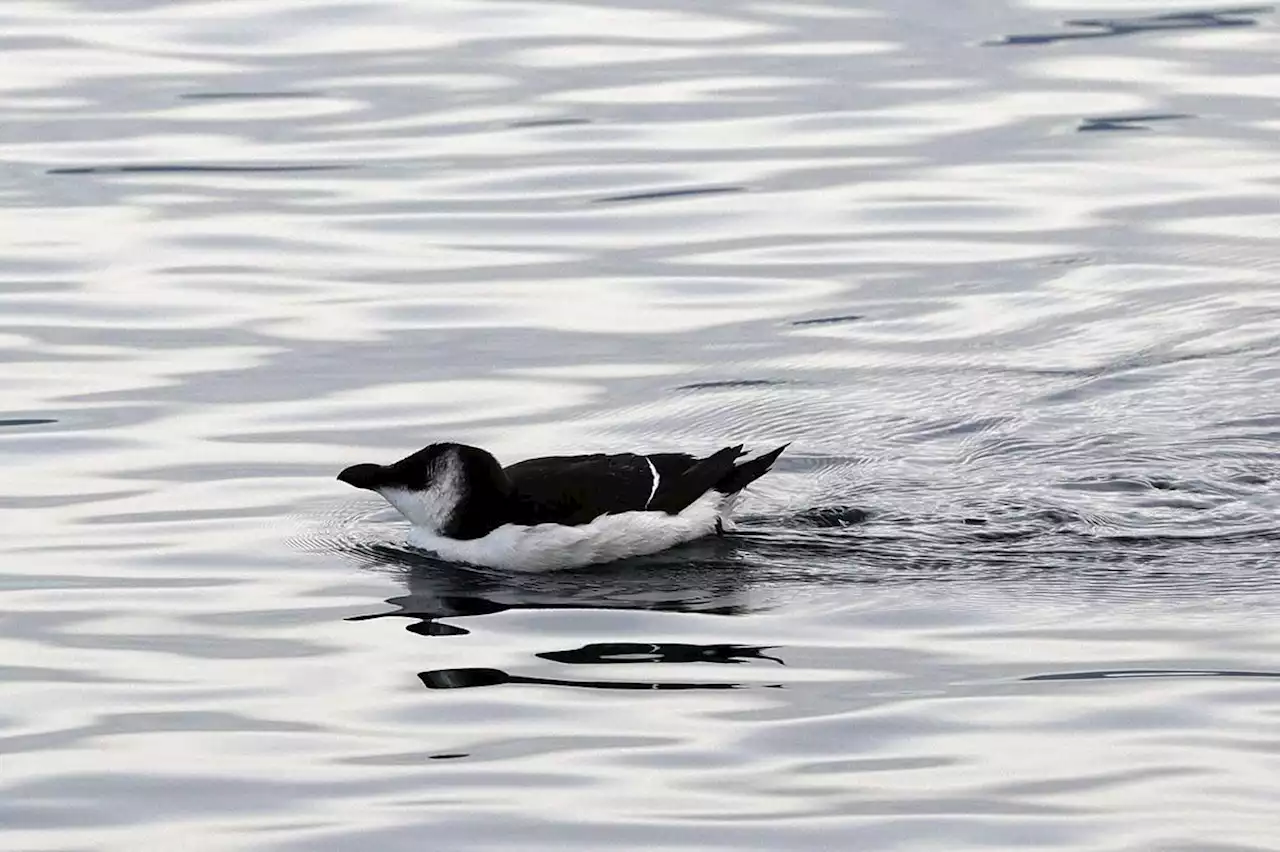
x=603 y=653
x=667 y=652
x=709 y=586
x=439 y=590
x=465 y=678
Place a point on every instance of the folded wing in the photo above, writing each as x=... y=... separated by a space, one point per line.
x=576 y=490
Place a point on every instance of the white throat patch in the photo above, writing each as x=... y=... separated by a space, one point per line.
x=430 y=509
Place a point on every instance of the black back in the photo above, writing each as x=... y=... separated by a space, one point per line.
x=574 y=490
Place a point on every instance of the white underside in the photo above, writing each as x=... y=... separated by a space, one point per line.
x=546 y=547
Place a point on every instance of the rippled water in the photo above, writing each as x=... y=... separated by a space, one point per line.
x=1005 y=274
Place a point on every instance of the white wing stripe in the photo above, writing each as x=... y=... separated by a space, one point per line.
x=654 y=488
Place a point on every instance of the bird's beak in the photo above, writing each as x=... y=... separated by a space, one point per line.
x=362 y=475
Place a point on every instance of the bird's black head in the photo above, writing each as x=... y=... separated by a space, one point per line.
x=448 y=488
x=367 y=476
x=414 y=472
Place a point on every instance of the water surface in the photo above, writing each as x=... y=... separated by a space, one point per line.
x=1004 y=274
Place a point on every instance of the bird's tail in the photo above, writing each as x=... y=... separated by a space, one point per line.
x=748 y=472
x=697 y=480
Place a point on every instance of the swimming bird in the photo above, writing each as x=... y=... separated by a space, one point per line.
x=558 y=511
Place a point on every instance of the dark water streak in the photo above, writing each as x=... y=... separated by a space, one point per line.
x=1241 y=16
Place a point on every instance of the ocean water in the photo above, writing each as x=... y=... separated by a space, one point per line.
x=1005 y=273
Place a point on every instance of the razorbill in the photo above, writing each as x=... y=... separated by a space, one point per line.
x=558 y=511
